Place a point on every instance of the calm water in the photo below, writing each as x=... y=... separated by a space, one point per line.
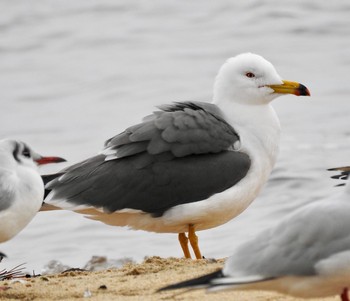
x=74 y=73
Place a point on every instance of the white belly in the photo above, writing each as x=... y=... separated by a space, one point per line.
x=26 y=202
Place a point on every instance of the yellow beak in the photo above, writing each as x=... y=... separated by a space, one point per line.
x=289 y=87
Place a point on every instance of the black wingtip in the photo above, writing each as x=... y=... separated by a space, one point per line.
x=2 y=256
x=49 y=178
x=194 y=283
x=344 y=174
x=343 y=168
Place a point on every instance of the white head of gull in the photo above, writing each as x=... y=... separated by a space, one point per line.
x=21 y=186
x=305 y=255
x=189 y=166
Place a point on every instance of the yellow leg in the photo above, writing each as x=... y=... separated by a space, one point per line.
x=194 y=241
x=184 y=245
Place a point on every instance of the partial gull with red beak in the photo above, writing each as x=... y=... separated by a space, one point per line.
x=21 y=186
x=189 y=166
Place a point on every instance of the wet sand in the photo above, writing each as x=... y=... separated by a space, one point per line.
x=131 y=282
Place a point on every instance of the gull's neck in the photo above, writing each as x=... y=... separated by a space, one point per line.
x=257 y=125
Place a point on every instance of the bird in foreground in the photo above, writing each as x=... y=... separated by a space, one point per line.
x=21 y=186
x=307 y=254
x=188 y=167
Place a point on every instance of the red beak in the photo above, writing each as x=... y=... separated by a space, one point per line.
x=47 y=160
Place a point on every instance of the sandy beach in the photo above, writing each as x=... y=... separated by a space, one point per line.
x=131 y=282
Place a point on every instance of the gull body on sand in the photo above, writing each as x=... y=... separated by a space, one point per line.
x=188 y=167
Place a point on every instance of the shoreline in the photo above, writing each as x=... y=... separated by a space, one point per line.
x=131 y=282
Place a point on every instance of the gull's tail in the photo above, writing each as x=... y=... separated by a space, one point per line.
x=217 y=281
x=200 y=282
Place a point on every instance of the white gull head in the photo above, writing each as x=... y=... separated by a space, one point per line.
x=250 y=79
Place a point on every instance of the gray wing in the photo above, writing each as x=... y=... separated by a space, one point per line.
x=182 y=129
x=180 y=154
x=7 y=195
x=297 y=244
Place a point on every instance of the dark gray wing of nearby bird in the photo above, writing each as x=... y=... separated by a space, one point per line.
x=180 y=154
x=297 y=244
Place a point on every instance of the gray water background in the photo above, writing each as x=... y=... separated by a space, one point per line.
x=74 y=73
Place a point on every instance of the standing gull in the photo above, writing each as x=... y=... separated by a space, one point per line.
x=21 y=186
x=189 y=166
x=305 y=255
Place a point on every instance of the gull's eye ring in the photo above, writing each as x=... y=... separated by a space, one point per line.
x=250 y=74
